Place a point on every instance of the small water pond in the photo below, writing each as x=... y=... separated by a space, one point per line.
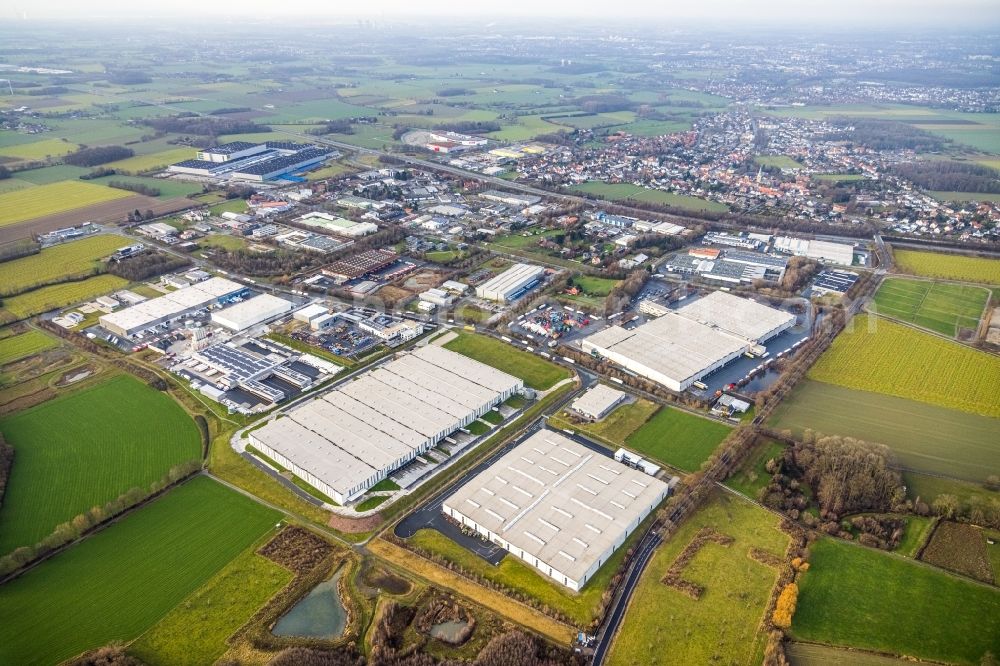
x=320 y=614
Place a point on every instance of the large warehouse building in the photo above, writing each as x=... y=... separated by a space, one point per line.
x=686 y=344
x=347 y=440
x=251 y=312
x=511 y=284
x=176 y=304
x=557 y=505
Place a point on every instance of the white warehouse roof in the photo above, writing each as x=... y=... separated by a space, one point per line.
x=599 y=400
x=251 y=312
x=172 y=304
x=558 y=501
x=509 y=282
x=739 y=316
x=383 y=418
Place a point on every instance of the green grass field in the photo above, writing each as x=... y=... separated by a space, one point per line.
x=69 y=260
x=19 y=346
x=926 y=438
x=85 y=449
x=626 y=192
x=594 y=286
x=52 y=174
x=195 y=631
x=753 y=475
x=980 y=270
x=917 y=530
x=121 y=581
x=839 y=177
x=39 y=150
x=58 y=296
x=928 y=487
x=940 y=307
x=43 y=200
x=537 y=373
x=860 y=597
x=664 y=626
x=779 y=161
x=885 y=357
x=677 y=438
x=141 y=163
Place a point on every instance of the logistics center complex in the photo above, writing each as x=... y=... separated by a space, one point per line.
x=350 y=438
x=557 y=505
x=684 y=345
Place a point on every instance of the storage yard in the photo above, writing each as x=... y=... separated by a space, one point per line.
x=572 y=507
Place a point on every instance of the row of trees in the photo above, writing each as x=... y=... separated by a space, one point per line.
x=138 y=188
x=88 y=157
x=950 y=176
x=146 y=265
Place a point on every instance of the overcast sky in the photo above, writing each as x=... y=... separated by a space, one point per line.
x=874 y=13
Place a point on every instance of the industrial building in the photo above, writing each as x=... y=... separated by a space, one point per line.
x=511 y=284
x=360 y=265
x=251 y=312
x=685 y=345
x=242 y=160
x=337 y=225
x=173 y=305
x=556 y=504
x=346 y=440
x=598 y=402
x=820 y=250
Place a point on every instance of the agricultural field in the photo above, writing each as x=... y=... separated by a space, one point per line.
x=937 y=306
x=22 y=345
x=923 y=437
x=537 y=373
x=871 y=357
x=67 y=261
x=119 y=582
x=811 y=654
x=929 y=487
x=779 y=161
x=195 y=631
x=960 y=548
x=677 y=438
x=58 y=296
x=980 y=270
x=54 y=198
x=85 y=449
x=839 y=177
x=142 y=163
x=627 y=192
x=665 y=626
x=527 y=127
x=38 y=150
x=52 y=174
x=859 y=597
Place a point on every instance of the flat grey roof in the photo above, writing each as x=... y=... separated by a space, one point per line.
x=558 y=501
x=671 y=345
x=383 y=415
x=738 y=316
x=597 y=399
